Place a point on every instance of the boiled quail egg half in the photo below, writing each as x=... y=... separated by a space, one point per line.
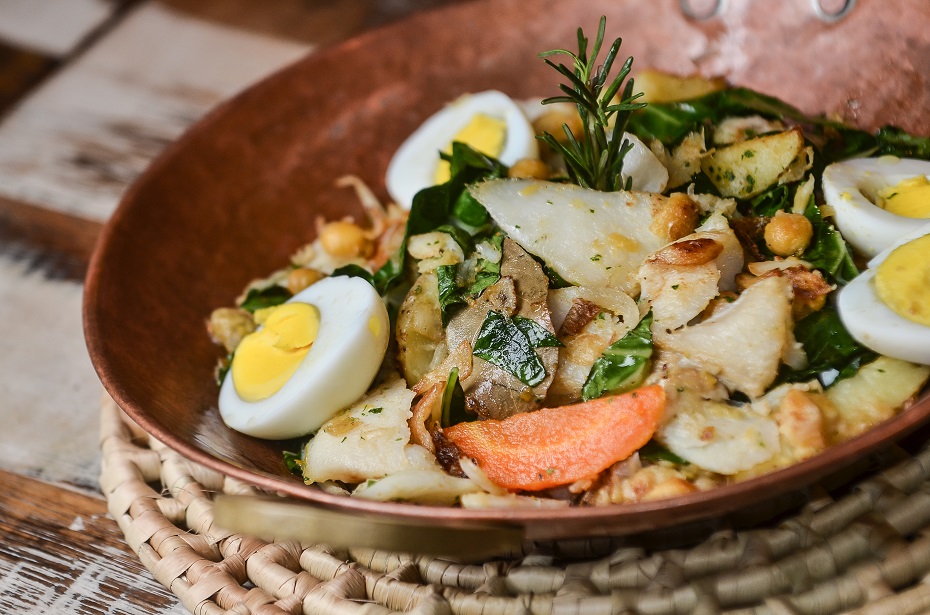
x=887 y=307
x=311 y=357
x=490 y=122
x=878 y=200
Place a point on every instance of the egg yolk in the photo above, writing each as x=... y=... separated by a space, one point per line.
x=902 y=281
x=909 y=198
x=483 y=133
x=267 y=358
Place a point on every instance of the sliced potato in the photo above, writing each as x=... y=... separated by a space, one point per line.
x=749 y=168
x=662 y=87
x=738 y=129
x=873 y=395
x=420 y=335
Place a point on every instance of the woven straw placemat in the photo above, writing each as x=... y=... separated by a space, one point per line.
x=865 y=549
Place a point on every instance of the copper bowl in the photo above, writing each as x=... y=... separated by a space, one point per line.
x=236 y=195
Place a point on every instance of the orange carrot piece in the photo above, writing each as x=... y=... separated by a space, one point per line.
x=555 y=446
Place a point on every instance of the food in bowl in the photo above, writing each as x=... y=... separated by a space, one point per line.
x=641 y=307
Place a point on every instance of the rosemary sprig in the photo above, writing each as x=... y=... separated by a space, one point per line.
x=595 y=160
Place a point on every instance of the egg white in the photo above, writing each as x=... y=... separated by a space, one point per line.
x=640 y=163
x=850 y=188
x=337 y=370
x=413 y=166
x=647 y=171
x=873 y=324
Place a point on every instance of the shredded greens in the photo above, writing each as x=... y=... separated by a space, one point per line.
x=447 y=204
x=670 y=122
x=624 y=365
x=258 y=298
x=832 y=353
x=828 y=250
x=453 y=402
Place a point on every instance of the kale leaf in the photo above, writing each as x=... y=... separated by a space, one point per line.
x=445 y=204
x=623 y=365
x=832 y=353
x=270 y=296
x=510 y=343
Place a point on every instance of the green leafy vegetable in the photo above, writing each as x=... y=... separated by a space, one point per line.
x=510 y=343
x=453 y=291
x=670 y=122
x=445 y=204
x=222 y=369
x=270 y=296
x=775 y=199
x=293 y=463
x=487 y=272
x=453 y=402
x=895 y=142
x=832 y=353
x=354 y=271
x=624 y=365
x=450 y=294
x=653 y=451
x=537 y=334
x=596 y=159
x=828 y=250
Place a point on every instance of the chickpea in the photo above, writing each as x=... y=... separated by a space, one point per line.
x=676 y=218
x=668 y=488
x=227 y=326
x=345 y=239
x=530 y=168
x=788 y=234
x=552 y=121
x=302 y=277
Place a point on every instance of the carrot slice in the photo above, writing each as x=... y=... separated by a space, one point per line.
x=556 y=446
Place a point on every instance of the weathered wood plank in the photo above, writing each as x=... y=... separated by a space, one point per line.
x=53 y=28
x=61 y=553
x=58 y=244
x=19 y=71
x=76 y=142
x=317 y=22
x=49 y=391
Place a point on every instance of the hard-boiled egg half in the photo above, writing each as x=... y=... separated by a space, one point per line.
x=878 y=200
x=312 y=357
x=489 y=122
x=887 y=307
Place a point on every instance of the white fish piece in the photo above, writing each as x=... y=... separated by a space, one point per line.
x=677 y=293
x=417 y=485
x=756 y=328
x=730 y=262
x=719 y=437
x=368 y=440
x=588 y=237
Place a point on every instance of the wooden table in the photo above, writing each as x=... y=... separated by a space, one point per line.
x=90 y=91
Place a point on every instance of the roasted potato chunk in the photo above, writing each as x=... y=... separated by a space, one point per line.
x=749 y=168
